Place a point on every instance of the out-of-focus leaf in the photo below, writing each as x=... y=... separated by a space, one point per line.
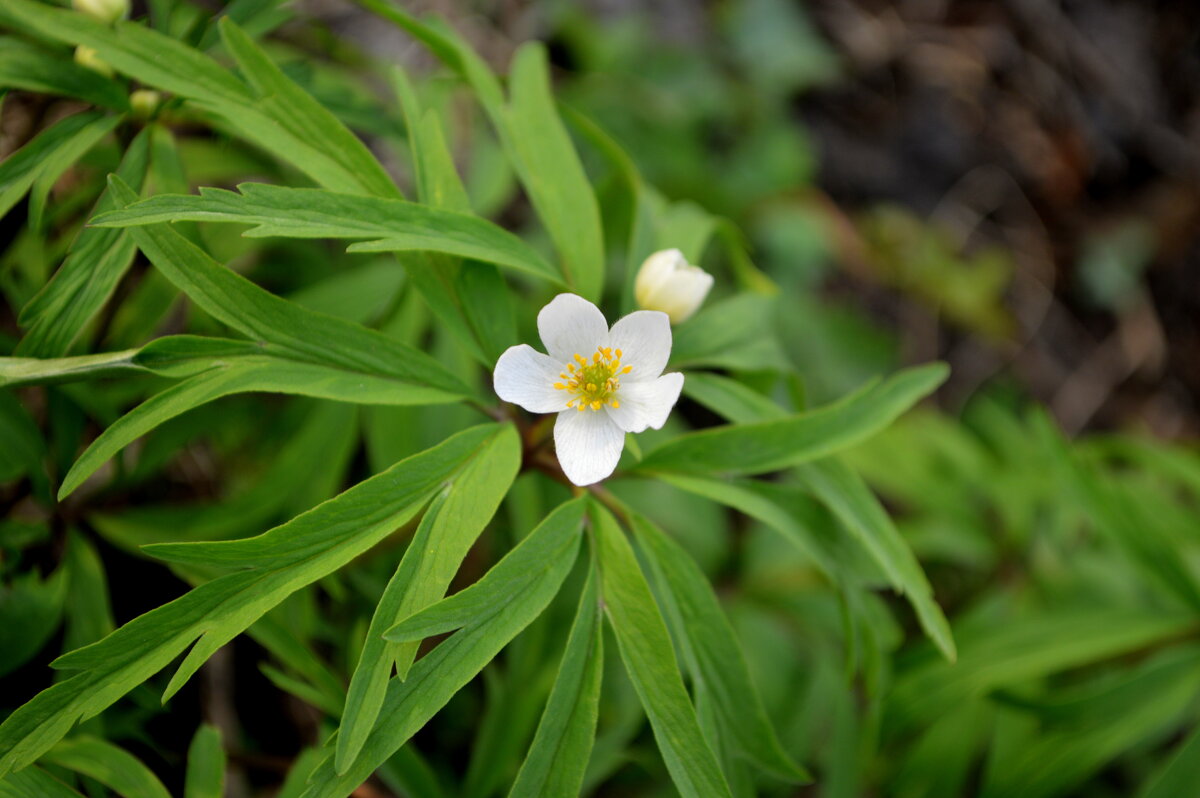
x=650 y=661
x=734 y=334
x=842 y=490
x=50 y=153
x=89 y=616
x=491 y=613
x=33 y=782
x=562 y=746
x=30 y=611
x=1180 y=774
x=1013 y=653
x=272 y=566
x=774 y=445
x=387 y=225
x=448 y=530
x=31 y=68
x=1152 y=703
x=205 y=776
x=113 y=767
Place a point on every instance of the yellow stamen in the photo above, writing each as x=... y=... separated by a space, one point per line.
x=593 y=382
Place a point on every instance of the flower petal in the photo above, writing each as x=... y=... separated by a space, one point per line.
x=644 y=338
x=526 y=377
x=588 y=444
x=571 y=325
x=646 y=404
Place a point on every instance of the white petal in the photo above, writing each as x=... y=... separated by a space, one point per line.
x=646 y=404
x=526 y=377
x=644 y=338
x=571 y=325
x=588 y=444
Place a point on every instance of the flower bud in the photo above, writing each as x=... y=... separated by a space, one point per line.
x=88 y=57
x=103 y=10
x=668 y=283
x=144 y=102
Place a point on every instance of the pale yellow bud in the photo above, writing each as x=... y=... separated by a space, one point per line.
x=144 y=102
x=87 y=57
x=103 y=10
x=668 y=283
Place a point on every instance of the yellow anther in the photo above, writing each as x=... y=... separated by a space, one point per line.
x=593 y=382
x=615 y=404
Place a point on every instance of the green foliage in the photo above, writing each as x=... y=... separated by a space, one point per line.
x=910 y=603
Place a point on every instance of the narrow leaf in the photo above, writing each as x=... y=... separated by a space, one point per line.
x=843 y=491
x=205 y=776
x=650 y=661
x=547 y=553
x=714 y=655
x=562 y=746
x=385 y=225
x=106 y=763
x=774 y=445
x=274 y=565
x=447 y=532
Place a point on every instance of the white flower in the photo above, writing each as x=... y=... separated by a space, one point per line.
x=668 y=283
x=601 y=382
x=103 y=10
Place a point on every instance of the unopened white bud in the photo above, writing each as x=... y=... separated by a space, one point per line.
x=88 y=57
x=103 y=10
x=667 y=282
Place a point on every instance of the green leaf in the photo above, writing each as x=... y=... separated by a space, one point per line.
x=389 y=225
x=165 y=63
x=552 y=174
x=17 y=371
x=89 y=616
x=205 y=765
x=471 y=298
x=562 y=746
x=273 y=566
x=1180 y=773
x=450 y=527
x=713 y=654
x=1011 y=653
x=106 y=763
x=650 y=661
x=30 y=611
x=242 y=374
x=50 y=153
x=775 y=445
x=843 y=491
x=491 y=613
x=730 y=398
x=34 y=782
x=31 y=68
x=735 y=334
x=301 y=115
x=98 y=259
x=536 y=142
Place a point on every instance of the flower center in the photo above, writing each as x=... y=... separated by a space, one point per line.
x=593 y=383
